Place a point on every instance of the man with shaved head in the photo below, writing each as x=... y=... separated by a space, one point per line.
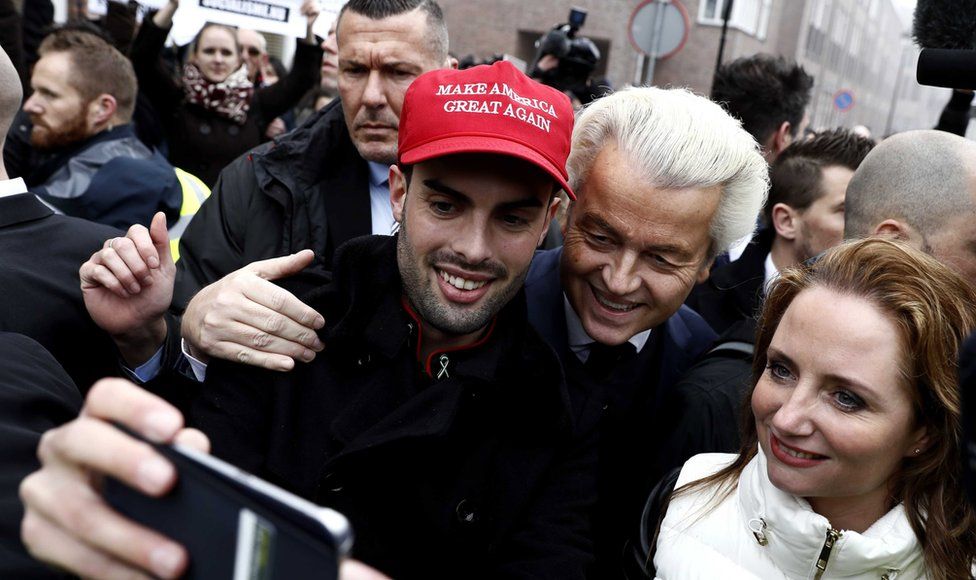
x=920 y=187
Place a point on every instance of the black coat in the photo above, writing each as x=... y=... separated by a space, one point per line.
x=629 y=405
x=466 y=465
x=734 y=291
x=40 y=294
x=35 y=395
x=199 y=141
x=309 y=189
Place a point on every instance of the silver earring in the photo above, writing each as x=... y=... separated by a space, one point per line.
x=917 y=451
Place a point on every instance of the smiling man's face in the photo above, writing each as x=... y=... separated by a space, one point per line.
x=469 y=227
x=632 y=252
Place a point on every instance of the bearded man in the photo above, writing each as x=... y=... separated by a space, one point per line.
x=93 y=165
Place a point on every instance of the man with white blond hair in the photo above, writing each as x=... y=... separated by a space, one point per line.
x=666 y=180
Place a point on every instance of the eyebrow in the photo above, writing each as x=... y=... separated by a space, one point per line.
x=773 y=352
x=662 y=248
x=444 y=189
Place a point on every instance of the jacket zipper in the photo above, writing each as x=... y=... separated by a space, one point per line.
x=832 y=536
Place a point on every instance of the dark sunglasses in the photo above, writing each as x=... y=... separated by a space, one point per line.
x=253 y=51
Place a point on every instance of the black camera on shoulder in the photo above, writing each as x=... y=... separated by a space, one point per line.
x=565 y=60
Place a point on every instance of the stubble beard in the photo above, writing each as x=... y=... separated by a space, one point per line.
x=428 y=302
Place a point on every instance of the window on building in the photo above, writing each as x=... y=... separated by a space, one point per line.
x=749 y=16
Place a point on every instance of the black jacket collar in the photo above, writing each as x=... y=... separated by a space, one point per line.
x=20 y=208
x=363 y=305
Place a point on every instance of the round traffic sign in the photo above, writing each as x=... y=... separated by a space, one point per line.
x=659 y=28
x=844 y=100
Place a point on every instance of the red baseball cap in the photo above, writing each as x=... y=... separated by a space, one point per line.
x=487 y=109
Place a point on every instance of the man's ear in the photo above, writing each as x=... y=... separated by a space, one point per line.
x=781 y=138
x=398 y=192
x=452 y=63
x=550 y=216
x=101 y=110
x=785 y=221
x=896 y=229
x=570 y=205
x=704 y=271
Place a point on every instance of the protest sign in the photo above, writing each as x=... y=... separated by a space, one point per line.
x=329 y=12
x=100 y=7
x=275 y=16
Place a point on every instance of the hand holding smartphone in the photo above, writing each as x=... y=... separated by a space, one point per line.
x=235 y=525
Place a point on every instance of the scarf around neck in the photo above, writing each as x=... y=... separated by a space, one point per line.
x=230 y=98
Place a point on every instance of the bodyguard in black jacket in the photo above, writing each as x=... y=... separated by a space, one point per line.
x=309 y=189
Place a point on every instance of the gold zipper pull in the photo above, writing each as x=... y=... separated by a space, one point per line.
x=758 y=527
x=832 y=536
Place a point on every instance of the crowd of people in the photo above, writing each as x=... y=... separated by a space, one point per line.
x=656 y=336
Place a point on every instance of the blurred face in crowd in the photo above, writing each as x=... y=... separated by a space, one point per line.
x=330 y=61
x=632 y=252
x=469 y=225
x=59 y=113
x=378 y=59
x=821 y=225
x=253 y=50
x=216 y=53
x=833 y=413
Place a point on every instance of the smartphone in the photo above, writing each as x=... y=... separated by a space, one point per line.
x=235 y=525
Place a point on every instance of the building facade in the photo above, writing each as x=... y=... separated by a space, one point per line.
x=857 y=50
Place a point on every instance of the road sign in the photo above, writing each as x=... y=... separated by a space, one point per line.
x=844 y=100
x=659 y=28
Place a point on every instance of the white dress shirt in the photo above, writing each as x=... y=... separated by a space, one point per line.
x=580 y=341
x=13 y=186
x=380 y=210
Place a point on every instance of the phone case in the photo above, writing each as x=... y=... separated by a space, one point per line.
x=235 y=525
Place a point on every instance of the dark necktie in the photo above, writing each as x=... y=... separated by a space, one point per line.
x=604 y=358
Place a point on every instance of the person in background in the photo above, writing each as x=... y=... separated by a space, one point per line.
x=94 y=167
x=769 y=95
x=215 y=113
x=328 y=87
x=805 y=216
x=254 y=54
x=850 y=462
x=919 y=187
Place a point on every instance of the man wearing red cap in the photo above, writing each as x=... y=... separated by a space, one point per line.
x=436 y=419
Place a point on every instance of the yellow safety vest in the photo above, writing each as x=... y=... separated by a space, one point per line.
x=194 y=194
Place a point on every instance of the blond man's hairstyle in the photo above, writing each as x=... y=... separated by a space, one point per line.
x=678 y=140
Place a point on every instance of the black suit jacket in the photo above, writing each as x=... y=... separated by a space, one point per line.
x=40 y=294
x=629 y=403
x=35 y=395
x=734 y=291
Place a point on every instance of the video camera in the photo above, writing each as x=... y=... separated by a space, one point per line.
x=577 y=56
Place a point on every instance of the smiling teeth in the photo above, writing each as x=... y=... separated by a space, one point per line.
x=461 y=283
x=798 y=454
x=615 y=305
